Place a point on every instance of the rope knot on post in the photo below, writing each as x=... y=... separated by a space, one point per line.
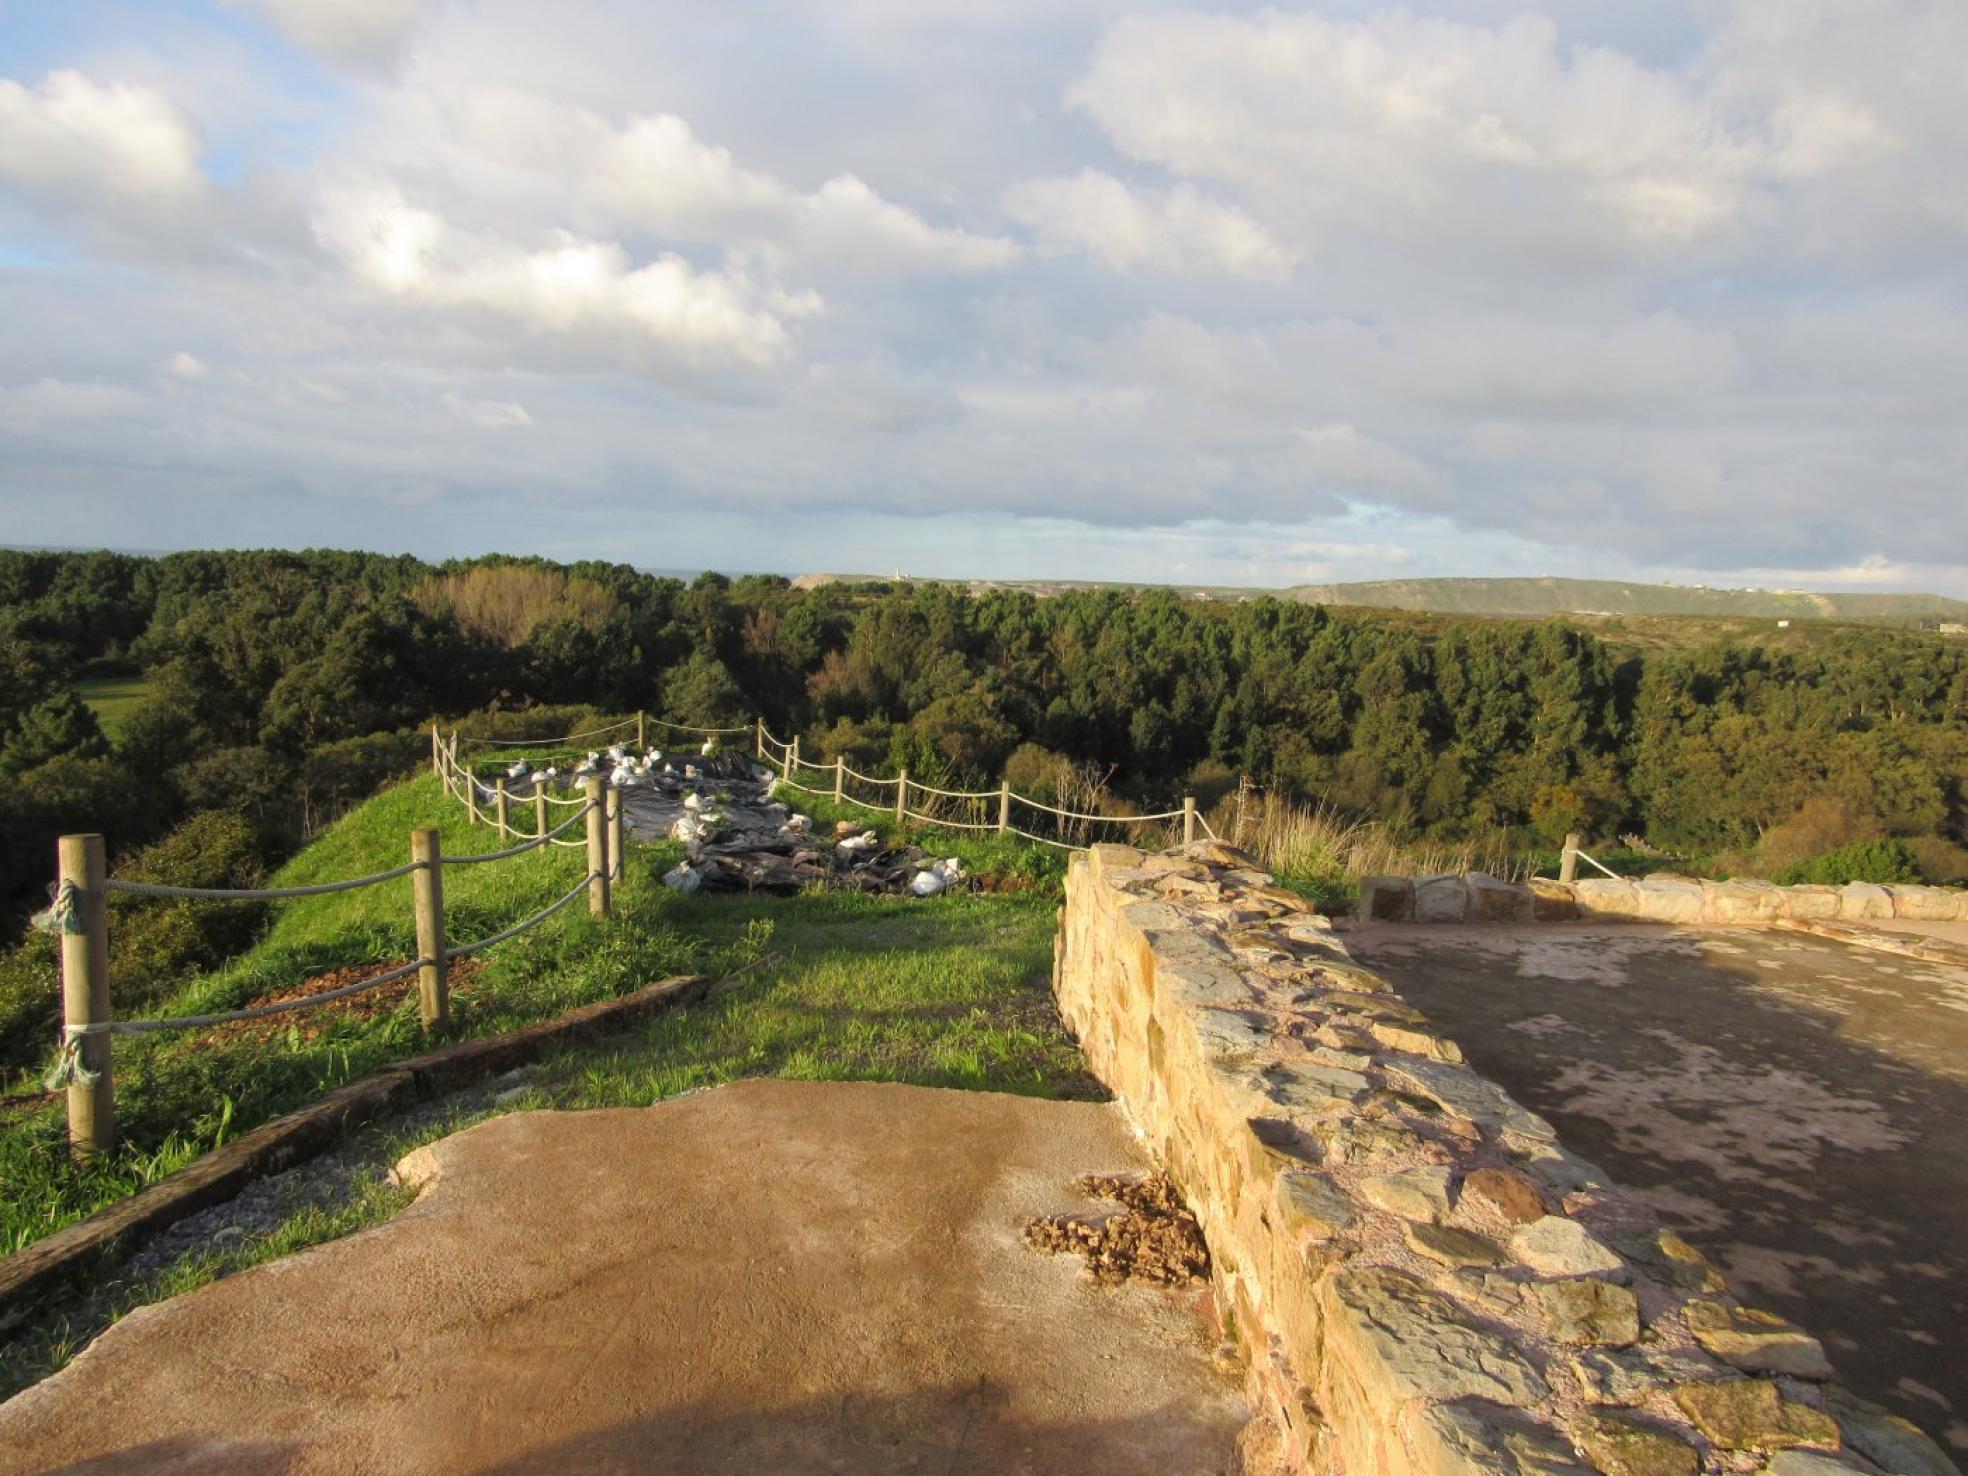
x=68 y=1069
x=63 y=914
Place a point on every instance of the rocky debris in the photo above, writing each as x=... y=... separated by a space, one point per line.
x=1752 y=1414
x=1621 y=1445
x=1557 y=1246
x=1756 y=1342
x=1154 y=1239
x=1586 y=1310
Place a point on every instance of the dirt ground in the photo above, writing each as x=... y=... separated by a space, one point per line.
x=771 y=1276
x=1796 y=1107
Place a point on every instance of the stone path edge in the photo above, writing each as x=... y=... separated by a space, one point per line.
x=31 y=1275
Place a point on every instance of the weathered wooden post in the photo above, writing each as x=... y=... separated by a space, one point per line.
x=1568 y=859
x=793 y=754
x=616 y=862
x=427 y=896
x=642 y=737
x=786 y=764
x=499 y=804
x=437 y=750
x=758 y=725
x=1188 y=819
x=901 y=796
x=539 y=806
x=85 y=991
x=597 y=850
x=840 y=778
x=1004 y=806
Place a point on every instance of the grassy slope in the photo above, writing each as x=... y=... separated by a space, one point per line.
x=1564 y=596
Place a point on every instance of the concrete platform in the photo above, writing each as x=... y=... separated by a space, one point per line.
x=1795 y=1106
x=772 y=1276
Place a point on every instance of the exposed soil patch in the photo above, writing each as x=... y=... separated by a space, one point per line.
x=310 y=1024
x=1154 y=1239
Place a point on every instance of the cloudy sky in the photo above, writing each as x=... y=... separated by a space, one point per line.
x=1623 y=288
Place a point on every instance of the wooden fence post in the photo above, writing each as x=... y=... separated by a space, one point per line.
x=85 y=992
x=437 y=750
x=793 y=754
x=427 y=895
x=786 y=764
x=499 y=805
x=615 y=854
x=642 y=737
x=1568 y=859
x=1188 y=819
x=597 y=850
x=840 y=778
x=901 y=796
x=1004 y=806
x=759 y=725
x=539 y=806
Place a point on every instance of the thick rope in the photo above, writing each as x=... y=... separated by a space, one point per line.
x=951 y=824
x=72 y=1033
x=238 y=894
x=1607 y=869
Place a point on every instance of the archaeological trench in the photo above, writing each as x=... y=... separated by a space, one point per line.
x=1421 y=1277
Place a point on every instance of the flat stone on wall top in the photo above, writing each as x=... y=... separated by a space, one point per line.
x=1477 y=898
x=1424 y=1281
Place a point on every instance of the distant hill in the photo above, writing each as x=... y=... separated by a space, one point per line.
x=1608 y=597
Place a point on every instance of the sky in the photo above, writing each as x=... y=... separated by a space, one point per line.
x=1634 y=289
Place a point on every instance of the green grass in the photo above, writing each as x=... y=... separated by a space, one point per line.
x=113 y=699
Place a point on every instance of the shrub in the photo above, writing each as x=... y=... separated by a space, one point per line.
x=1863 y=861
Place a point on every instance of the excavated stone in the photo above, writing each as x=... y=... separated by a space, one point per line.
x=1807 y=1463
x=1475 y=1439
x=1603 y=897
x=1453 y=1247
x=1312 y=1205
x=1589 y=1311
x=1401 y=1341
x=1414 y=1194
x=1752 y=1414
x=1889 y=1442
x=1864 y=902
x=1397 y=1037
x=1505 y=1193
x=1387 y=898
x=1630 y=1376
x=1666 y=900
x=1556 y=1246
x=1741 y=901
x=1926 y=904
x=1440 y=899
x=1494 y=901
x=1620 y=1445
x=1756 y=1342
x=1466 y=1094
x=1552 y=901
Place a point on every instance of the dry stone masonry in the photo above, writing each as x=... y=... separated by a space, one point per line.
x=1426 y=1283
x=1477 y=898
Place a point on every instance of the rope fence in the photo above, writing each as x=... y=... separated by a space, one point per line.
x=786 y=756
x=80 y=914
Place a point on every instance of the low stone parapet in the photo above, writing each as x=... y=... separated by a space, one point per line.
x=1477 y=898
x=1424 y=1280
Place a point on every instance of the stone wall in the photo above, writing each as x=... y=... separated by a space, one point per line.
x=1424 y=1280
x=1670 y=899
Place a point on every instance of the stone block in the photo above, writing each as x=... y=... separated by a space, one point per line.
x=1864 y=902
x=1473 y=1439
x=1505 y=1193
x=1440 y=899
x=1493 y=901
x=1741 y=901
x=1670 y=900
x=1889 y=1442
x=1620 y=1445
x=1394 y=1036
x=1752 y=1414
x=1311 y=1205
x=1453 y=1247
x=1109 y=857
x=1588 y=1312
x=1603 y=898
x=1926 y=904
x=1811 y=903
x=1387 y=899
x=1414 y=1194
x=1756 y=1342
x=1552 y=901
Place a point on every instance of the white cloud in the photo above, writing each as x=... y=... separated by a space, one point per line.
x=107 y=151
x=571 y=288
x=1401 y=122
x=1340 y=456
x=359 y=32
x=1180 y=231
x=486 y=414
x=183 y=365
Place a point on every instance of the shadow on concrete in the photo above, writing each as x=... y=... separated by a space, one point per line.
x=1796 y=1108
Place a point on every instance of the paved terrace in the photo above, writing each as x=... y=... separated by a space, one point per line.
x=1797 y=1107
x=768 y=1277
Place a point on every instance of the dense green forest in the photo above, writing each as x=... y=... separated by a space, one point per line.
x=282 y=687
